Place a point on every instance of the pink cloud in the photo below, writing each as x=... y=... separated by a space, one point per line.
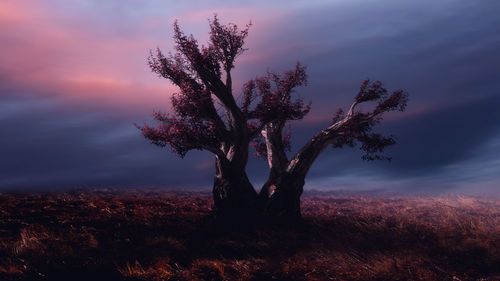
x=10 y=13
x=70 y=55
x=47 y=54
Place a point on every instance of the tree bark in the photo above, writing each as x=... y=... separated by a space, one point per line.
x=281 y=201
x=279 y=198
x=234 y=196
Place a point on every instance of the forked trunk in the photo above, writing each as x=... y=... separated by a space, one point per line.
x=280 y=196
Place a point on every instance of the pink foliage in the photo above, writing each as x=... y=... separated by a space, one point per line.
x=275 y=94
x=267 y=100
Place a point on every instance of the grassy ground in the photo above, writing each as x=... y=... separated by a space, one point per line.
x=160 y=235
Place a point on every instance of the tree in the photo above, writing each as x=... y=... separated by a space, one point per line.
x=203 y=75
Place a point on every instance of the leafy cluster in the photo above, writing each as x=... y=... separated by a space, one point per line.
x=275 y=94
x=357 y=126
x=198 y=71
x=267 y=103
x=196 y=123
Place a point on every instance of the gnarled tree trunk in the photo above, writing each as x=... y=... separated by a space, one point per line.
x=234 y=196
x=279 y=199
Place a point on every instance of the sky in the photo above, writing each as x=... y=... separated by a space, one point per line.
x=74 y=81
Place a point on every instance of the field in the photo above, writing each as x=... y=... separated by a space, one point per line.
x=165 y=235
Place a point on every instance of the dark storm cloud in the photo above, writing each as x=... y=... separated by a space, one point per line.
x=445 y=54
x=447 y=62
x=52 y=144
x=445 y=135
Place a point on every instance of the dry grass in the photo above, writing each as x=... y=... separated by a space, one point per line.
x=160 y=235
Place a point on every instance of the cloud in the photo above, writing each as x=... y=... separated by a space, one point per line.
x=73 y=80
x=52 y=54
x=61 y=148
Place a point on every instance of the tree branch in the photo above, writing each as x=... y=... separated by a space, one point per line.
x=276 y=155
x=205 y=63
x=354 y=126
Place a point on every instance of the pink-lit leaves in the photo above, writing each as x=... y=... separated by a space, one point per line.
x=227 y=41
x=259 y=146
x=268 y=105
x=268 y=102
x=275 y=94
x=195 y=123
x=274 y=104
x=181 y=135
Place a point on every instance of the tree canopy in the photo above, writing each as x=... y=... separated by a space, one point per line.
x=203 y=76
